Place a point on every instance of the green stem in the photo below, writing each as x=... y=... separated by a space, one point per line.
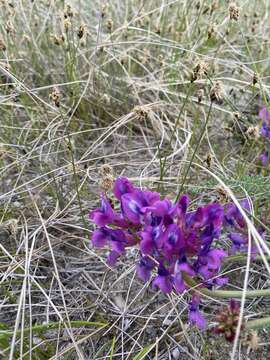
x=163 y=161
x=195 y=151
x=258 y=323
x=225 y=294
x=51 y=326
x=243 y=258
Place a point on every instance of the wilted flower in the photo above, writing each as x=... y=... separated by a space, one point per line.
x=227 y=320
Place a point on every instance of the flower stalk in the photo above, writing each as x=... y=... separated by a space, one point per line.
x=225 y=294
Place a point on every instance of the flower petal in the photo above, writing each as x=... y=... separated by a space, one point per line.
x=264 y=114
x=122 y=186
x=100 y=238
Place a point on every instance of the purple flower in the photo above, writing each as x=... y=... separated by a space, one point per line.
x=114 y=238
x=144 y=268
x=233 y=216
x=180 y=209
x=100 y=238
x=173 y=241
x=112 y=258
x=160 y=207
x=171 y=238
x=192 y=243
x=265 y=130
x=264 y=158
x=265 y=117
x=214 y=258
x=134 y=205
x=164 y=280
x=122 y=186
x=151 y=239
x=104 y=215
x=209 y=264
x=215 y=215
x=195 y=316
x=178 y=281
x=264 y=114
x=240 y=243
x=237 y=239
x=196 y=219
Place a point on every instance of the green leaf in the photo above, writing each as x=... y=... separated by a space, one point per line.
x=141 y=355
x=112 y=348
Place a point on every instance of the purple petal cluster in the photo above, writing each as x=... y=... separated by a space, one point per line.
x=265 y=132
x=265 y=117
x=237 y=229
x=172 y=238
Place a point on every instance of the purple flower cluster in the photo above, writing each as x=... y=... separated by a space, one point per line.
x=171 y=238
x=265 y=132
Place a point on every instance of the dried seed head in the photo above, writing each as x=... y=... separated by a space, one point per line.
x=81 y=31
x=236 y=115
x=199 y=70
x=106 y=98
x=107 y=178
x=11 y=226
x=253 y=340
x=66 y=24
x=106 y=183
x=255 y=79
x=253 y=132
x=161 y=60
x=209 y=160
x=57 y=40
x=5 y=78
x=71 y=168
x=200 y=94
x=145 y=57
x=105 y=170
x=217 y=92
x=104 y=9
x=68 y=12
x=234 y=11
x=2 y=45
x=10 y=28
x=55 y=96
x=222 y=195
x=140 y=112
x=109 y=24
x=123 y=60
x=212 y=30
x=214 y=6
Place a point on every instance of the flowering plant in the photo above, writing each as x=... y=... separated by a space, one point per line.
x=265 y=132
x=173 y=240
